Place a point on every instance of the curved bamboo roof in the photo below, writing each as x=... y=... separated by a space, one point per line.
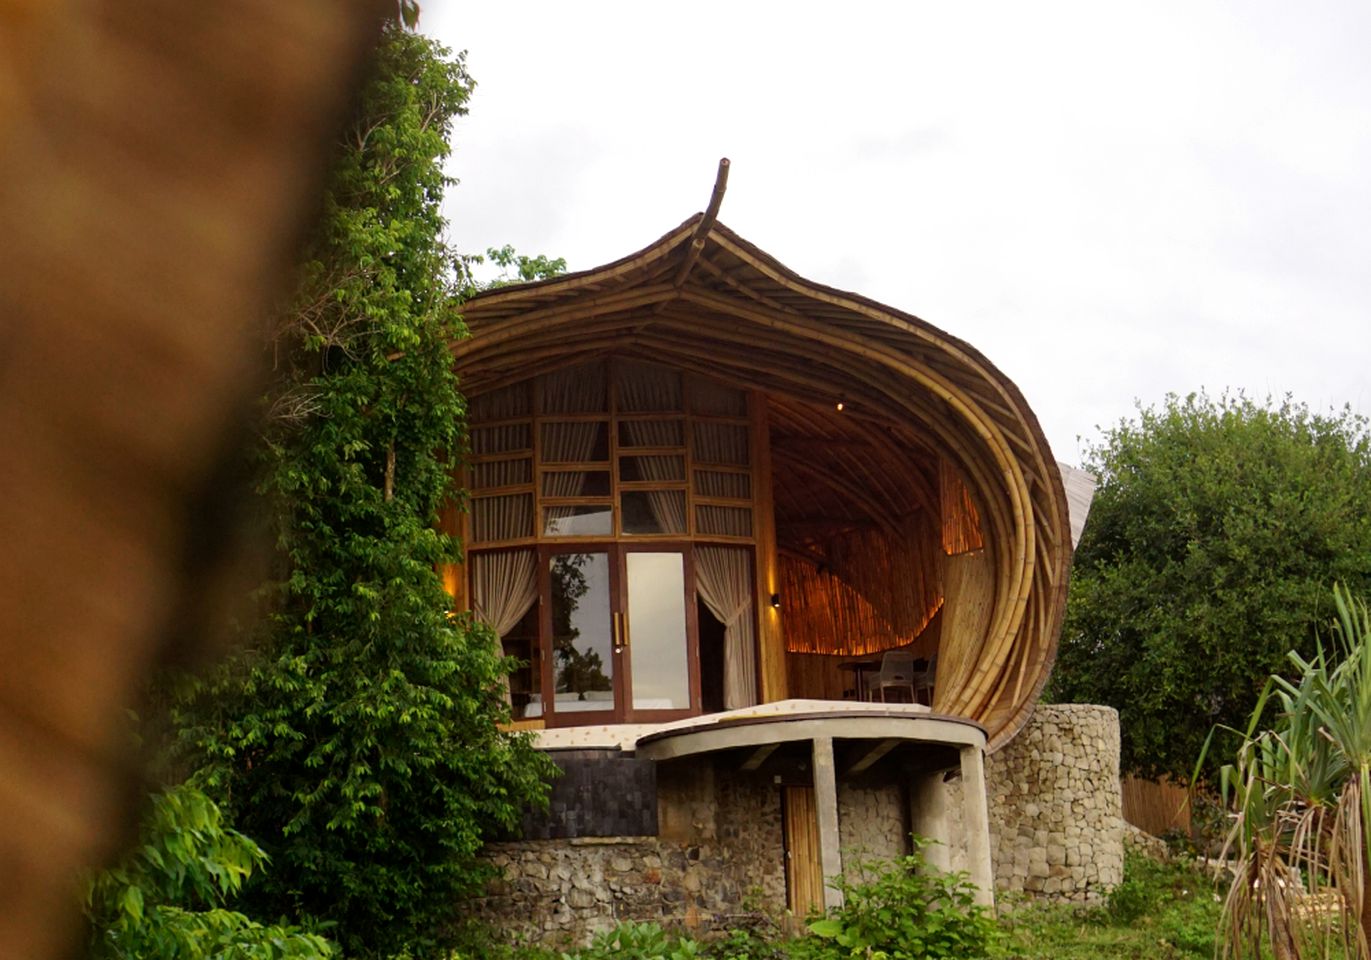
x=704 y=299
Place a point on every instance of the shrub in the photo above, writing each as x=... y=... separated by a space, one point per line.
x=637 y=941
x=906 y=911
x=169 y=897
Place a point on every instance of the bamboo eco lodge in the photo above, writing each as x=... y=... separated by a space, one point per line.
x=742 y=528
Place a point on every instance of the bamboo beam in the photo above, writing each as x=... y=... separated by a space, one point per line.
x=701 y=234
x=770 y=630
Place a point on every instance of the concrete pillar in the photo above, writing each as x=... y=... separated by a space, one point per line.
x=928 y=817
x=976 y=822
x=826 y=812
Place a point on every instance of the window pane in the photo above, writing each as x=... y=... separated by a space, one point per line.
x=575 y=442
x=586 y=520
x=501 y=518
x=576 y=483
x=582 y=657
x=723 y=521
x=647 y=388
x=653 y=511
x=708 y=397
x=503 y=404
x=721 y=443
x=577 y=390
x=657 y=631
x=502 y=439
x=651 y=433
x=710 y=483
x=501 y=473
x=662 y=468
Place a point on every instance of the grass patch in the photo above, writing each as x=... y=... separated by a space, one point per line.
x=1161 y=911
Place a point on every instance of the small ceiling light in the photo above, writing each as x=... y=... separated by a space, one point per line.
x=776 y=600
x=839 y=406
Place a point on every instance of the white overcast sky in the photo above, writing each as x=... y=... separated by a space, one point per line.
x=1111 y=201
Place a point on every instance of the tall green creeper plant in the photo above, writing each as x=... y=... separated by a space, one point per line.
x=356 y=741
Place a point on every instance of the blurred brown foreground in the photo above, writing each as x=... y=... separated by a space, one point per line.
x=158 y=161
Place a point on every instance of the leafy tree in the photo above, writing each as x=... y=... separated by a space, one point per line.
x=169 y=897
x=356 y=737
x=1215 y=534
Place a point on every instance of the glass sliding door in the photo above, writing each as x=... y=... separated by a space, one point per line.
x=620 y=635
x=660 y=631
x=580 y=626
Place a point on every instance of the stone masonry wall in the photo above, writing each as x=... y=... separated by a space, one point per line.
x=1056 y=832
x=872 y=825
x=1056 y=824
x=710 y=860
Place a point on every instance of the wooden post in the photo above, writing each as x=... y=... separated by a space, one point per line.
x=770 y=638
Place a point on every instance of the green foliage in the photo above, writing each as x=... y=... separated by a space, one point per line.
x=1216 y=530
x=637 y=941
x=1302 y=795
x=356 y=736
x=906 y=911
x=748 y=943
x=524 y=268
x=169 y=897
x=1161 y=911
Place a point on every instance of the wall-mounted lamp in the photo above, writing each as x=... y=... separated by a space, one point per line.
x=839 y=406
x=776 y=600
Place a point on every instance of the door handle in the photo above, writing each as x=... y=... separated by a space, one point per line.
x=618 y=632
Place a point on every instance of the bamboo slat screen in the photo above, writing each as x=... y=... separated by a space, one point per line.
x=961 y=521
x=804 y=880
x=875 y=593
x=969 y=580
x=1159 y=807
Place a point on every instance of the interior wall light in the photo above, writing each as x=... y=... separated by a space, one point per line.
x=776 y=600
x=839 y=406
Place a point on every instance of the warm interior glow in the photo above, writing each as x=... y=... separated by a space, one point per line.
x=961 y=521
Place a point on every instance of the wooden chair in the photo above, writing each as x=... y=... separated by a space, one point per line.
x=897 y=670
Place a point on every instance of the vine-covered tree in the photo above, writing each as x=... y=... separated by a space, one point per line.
x=356 y=738
x=1218 y=528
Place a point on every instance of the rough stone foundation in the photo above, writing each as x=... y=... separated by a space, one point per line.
x=1056 y=822
x=1056 y=832
x=711 y=859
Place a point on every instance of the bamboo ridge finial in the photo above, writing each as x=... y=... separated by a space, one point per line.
x=697 y=241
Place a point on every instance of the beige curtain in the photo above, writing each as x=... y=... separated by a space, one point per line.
x=505 y=517
x=723 y=578
x=644 y=388
x=504 y=584
x=578 y=390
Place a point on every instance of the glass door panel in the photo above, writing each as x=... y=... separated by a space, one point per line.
x=582 y=633
x=658 y=634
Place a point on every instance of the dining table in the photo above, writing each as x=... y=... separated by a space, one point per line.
x=863 y=667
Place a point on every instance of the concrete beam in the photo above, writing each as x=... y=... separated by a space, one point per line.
x=759 y=756
x=826 y=812
x=872 y=754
